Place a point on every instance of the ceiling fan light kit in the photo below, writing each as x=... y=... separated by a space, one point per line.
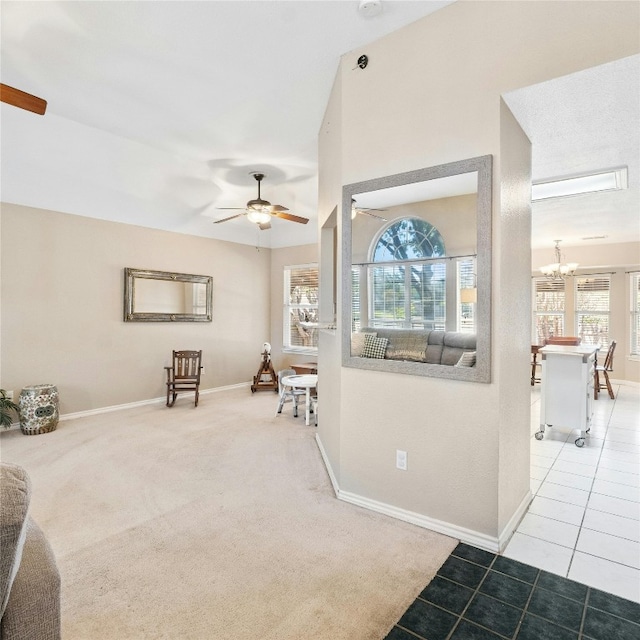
x=261 y=211
x=258 y=216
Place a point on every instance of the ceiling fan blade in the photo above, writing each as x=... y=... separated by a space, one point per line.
x=373 y=215
x=23 y=100
x=262 y=206
x=229 y=218
x=291 y=217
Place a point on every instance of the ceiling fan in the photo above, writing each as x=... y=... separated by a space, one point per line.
x=260 y=211
x=355 y=210
x=21 y=99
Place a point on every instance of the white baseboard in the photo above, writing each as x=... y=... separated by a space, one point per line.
x=327 y=465
x=468 y=536
x=625 y=383
x=514 y=521
x=142 y=403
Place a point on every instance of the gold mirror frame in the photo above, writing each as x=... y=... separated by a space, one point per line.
x=131 y=314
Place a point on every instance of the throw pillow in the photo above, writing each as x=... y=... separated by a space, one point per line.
x=407 y=346
x=374 y=347
x=357 y=342
x=467 y=359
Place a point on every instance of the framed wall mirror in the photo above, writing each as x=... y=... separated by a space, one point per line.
x=418 y=246
x=163 y=296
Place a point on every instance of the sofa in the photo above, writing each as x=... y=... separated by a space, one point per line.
x=29 y=576
x=449 y=348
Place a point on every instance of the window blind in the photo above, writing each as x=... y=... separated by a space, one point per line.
x=427 y=296
x=466 y=310
x=356 y=322
x=549 y=308
x=408 y=295
x=635 y=314
x=388 y=296
x=301 y=308
x=592 y=309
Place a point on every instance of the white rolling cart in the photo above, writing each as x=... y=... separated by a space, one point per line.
x=567 y=389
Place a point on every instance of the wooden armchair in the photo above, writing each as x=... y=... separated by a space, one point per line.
x=183 y=375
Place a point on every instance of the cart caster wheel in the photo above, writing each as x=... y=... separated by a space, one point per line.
x=539 y=435
x=580 y=442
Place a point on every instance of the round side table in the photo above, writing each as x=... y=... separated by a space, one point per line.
x=38 y=409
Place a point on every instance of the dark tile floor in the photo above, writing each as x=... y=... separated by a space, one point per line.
x=478 y=595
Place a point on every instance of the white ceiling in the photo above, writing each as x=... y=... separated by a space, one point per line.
x=583 y=123
x=158 y=111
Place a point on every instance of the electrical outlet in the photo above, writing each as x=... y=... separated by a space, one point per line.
x=10 y=394
x=401 y=460
x=202 y=370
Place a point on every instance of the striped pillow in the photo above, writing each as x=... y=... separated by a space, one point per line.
x=467 y=359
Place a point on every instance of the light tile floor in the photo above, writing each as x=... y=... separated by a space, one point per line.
x=584 y=520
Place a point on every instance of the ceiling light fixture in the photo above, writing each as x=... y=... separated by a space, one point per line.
x=610 y=180
x=258 y=216
x=370 y=8
x=556 y=270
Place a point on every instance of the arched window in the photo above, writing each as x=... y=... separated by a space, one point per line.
x=411 y=291
x=409 y=281
x=408 y=239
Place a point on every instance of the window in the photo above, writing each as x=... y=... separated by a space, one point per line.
x=356 y=321
x=466 y=279
x=301 y=308
x=635 y=314
x=407 y=239
x=592 y=309
x=548 y=309
x=409 y=290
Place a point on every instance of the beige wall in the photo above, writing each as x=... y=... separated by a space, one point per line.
x=62 y=307
x=432 y=94
x=511 y=318
x=329 y=201
x=454 y=218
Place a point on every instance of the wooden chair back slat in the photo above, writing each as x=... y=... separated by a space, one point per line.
x=184 y=374
x=608 y=361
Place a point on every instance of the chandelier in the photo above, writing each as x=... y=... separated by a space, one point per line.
x=557 y=270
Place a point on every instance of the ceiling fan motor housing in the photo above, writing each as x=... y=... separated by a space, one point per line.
x=258 y=204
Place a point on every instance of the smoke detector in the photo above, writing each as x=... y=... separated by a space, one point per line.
x=370 y=8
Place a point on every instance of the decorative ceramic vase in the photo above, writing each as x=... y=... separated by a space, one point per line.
x=38 y=409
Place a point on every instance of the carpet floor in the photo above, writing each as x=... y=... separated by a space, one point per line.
x=217 y=522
